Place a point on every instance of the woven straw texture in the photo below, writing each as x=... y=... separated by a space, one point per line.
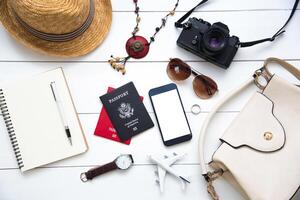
x=57 y=17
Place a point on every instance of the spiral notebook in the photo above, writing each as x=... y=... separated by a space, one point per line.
x=34 y=120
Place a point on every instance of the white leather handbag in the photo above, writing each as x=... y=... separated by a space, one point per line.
x=260 y=150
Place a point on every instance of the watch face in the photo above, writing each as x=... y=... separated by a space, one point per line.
x=124 y=161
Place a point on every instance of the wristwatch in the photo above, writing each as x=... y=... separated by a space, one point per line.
x=124 y=161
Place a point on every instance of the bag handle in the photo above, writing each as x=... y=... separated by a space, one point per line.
x=211 y=114
x=290 y=68
x=265 y=72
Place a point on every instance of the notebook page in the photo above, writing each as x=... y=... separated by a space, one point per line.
x=37 y=122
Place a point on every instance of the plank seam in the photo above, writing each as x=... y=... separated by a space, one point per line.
x=199 y=11
x=146 y=61
x=91 y=166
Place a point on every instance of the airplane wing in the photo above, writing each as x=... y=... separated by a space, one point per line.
x=161 y=177
x=172 y=159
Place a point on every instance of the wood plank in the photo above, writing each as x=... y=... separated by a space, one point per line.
x=88 y=81
x=243 y=24
x=148 y=143
x=228 y=5
x=136 y=183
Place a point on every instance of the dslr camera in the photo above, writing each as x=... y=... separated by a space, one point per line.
x=211 y=42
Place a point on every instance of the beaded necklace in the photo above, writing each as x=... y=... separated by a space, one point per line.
x=137 y=46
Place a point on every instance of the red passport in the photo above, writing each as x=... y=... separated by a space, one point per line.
x=104 y=126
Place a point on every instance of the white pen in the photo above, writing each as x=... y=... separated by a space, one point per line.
x=61 y=110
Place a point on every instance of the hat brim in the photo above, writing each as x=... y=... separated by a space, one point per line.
x=81 y=45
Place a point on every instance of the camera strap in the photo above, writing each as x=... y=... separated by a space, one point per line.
x=179 y=24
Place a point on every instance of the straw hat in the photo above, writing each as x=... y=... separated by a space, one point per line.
x=65 y=28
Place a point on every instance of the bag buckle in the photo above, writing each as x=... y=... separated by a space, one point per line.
x=258 y=75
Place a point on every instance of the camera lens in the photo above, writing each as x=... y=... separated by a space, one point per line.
x=215 y=40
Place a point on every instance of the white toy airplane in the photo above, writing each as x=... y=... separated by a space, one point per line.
x=163 y=166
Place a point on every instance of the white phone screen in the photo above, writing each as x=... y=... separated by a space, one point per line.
x=170 y=115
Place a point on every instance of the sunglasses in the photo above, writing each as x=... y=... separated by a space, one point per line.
x=203 y=86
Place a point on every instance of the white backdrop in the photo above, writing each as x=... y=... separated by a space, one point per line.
x=89 y=77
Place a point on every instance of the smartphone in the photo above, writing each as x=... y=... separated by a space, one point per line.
x=170 y=115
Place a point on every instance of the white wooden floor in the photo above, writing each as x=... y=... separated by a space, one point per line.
x=89 y=77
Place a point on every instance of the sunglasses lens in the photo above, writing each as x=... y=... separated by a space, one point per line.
x=177 y=70
x=204 y=86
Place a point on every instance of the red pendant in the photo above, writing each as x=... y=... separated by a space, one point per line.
x=137 y=47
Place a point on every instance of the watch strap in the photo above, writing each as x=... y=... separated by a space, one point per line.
x=92 y=173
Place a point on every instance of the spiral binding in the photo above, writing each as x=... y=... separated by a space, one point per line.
x=10 y=129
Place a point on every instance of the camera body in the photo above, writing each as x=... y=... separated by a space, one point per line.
x=210 y=42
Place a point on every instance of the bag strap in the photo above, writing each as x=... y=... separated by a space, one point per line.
x=287 y=66
x=179 y=24
x=265 y=72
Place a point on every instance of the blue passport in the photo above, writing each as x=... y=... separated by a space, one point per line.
x=127 y=111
